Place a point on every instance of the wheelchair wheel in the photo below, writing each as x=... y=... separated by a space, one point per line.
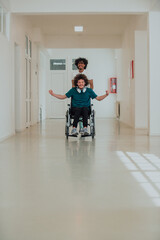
x=66 y=127
x=92 y=132
x=67 y=131
x=93 y=126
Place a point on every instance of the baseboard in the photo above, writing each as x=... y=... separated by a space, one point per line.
x=6 y=137
x=20 y=130
x=125 y=123
x=114 y=118
x=154 y=134
x=136 y=130
x=142 y=131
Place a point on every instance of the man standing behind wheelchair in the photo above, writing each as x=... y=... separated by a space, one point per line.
x=81 y=64
x=80 y=105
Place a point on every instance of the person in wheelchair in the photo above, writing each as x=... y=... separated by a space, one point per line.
x=81 y=64
x=81 y=96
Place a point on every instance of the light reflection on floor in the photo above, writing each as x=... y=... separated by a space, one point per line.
x=145 y=168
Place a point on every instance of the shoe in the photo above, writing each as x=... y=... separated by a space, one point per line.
x=85 y=131
x=74 y=132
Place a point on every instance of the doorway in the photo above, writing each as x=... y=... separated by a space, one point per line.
x=58 y=82
x=28 y=55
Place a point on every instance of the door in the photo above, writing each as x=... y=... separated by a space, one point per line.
x=28 y=54
x=58 y=83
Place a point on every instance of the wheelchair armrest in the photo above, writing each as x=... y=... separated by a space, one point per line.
x=91 y=106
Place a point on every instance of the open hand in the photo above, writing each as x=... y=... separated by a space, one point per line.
x=51 y=92
x=107 y=92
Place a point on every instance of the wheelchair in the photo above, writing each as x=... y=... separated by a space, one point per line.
x=70 y=118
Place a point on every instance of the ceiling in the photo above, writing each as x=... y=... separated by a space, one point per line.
x=94 y=24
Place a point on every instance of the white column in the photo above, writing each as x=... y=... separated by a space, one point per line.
x=141 y=80
x=154 y=73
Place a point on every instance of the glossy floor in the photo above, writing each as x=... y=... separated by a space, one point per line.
x=81 y=189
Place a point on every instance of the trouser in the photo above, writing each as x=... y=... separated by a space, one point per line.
x=77 y=112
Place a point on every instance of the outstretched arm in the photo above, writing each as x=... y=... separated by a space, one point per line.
x=100 y=98
x=59 y=96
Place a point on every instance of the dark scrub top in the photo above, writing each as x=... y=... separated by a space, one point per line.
x=81 y=99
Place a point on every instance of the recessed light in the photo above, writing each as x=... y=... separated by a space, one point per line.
x=78 y=28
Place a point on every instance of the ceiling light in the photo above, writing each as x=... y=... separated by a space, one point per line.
x=78 y=28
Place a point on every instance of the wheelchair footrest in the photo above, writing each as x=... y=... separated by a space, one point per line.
x=72 y=135
x=89 y=135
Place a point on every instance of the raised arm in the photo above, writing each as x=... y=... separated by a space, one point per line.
x=91 y=83
x=59 y=96
x=100 y=98
x=73 y=83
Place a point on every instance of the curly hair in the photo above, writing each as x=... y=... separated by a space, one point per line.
x=79 y=77
x=84 y=60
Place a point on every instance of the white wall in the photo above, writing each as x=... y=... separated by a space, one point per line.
x=6 y=120
x=43 y=83
x=13 y=108
x=127 y=89
x=85 y=6
x=5 y=4
x=21 y=27
x=128 y=93
x=6 y=110
x=35 y=84
x=101 y=67
x=155 y=5
x=118 y=60
x=154 y=72
x=141 y=79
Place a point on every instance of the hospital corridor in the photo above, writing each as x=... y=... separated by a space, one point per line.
x=79 y=120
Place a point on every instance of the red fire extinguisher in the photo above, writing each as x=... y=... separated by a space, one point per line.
x=114 y=85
